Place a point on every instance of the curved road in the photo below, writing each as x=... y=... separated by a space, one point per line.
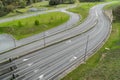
x=48 y=63
x=90 y=22
x=74 y=18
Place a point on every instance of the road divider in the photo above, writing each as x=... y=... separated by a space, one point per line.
x=47 y=45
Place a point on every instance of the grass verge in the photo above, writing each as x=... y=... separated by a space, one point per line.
x=32 y=25
x=83 y=9
x=105 y=64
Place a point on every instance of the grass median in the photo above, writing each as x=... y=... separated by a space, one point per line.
x=29 y=26
x=105 y=64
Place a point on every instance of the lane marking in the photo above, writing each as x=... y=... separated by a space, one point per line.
x=41 y=76
x=73 y=58
x=30 y=64
x=35 y=71
x=25 y=59
x=96 y=13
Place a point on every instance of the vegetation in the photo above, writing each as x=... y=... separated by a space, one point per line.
x=105 y=64
x=29 y=26
x=56 y=2
x=83 y=9
x=7 y=6
x=90 y=0
x=39 y=6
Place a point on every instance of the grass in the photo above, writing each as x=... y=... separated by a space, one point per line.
x=38 y=5
x=83 y=9
x=105 y=64
x=27 y=27
x=113 y=5
x=111 y=0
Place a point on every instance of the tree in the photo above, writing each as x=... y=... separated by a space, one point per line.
x=54 y=2
x=116 y=12
x=1 y=5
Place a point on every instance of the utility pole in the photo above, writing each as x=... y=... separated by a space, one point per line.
x=14 y=42
x=86 y=48
x=44 y=38
x=44 y=35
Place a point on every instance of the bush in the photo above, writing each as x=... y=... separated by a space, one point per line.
x=37 y=22
x=20 y=24
x=3 y=13
x=54 y=2
x=116 y=12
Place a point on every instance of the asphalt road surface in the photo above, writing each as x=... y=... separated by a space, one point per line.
x=87 y=25
x=74 y=18
x=48 y=63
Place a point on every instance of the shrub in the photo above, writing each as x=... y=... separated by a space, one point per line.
x=20 y=24
x=37 y=22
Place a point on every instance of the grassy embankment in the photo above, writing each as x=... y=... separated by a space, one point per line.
x=26 y=27
x=105 y=64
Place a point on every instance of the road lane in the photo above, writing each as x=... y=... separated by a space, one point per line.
x=97 y=35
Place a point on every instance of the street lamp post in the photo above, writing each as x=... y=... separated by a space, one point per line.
x=44 y=38
x=44 y=35
x=14 y=42
x=86 y=48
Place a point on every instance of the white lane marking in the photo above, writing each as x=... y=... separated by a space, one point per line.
x=41 y=76
x=73 y=58
x=30 y=64
x=25 y=59
x=35 y=71
x=96 y=13
x=69 y=41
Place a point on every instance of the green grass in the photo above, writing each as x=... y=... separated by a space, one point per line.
x=111 y=0
x=113 y=5
x=105 y=64
x=83 y=9
x=38 y=5
x=26 y=27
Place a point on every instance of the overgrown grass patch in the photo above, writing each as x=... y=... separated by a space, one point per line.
x=26 y=27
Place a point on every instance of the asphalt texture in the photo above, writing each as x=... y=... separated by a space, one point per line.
x=49 y=62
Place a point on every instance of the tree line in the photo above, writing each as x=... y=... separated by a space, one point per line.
x=7 y=6
x=56 y=2
x=116 y=13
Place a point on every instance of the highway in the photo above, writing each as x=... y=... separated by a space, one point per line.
x=74 y=18
x=91 y=21
x=48 y=63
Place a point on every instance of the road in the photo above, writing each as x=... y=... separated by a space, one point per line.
x=49 y=62
x=6 y=42
x=74 y=18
